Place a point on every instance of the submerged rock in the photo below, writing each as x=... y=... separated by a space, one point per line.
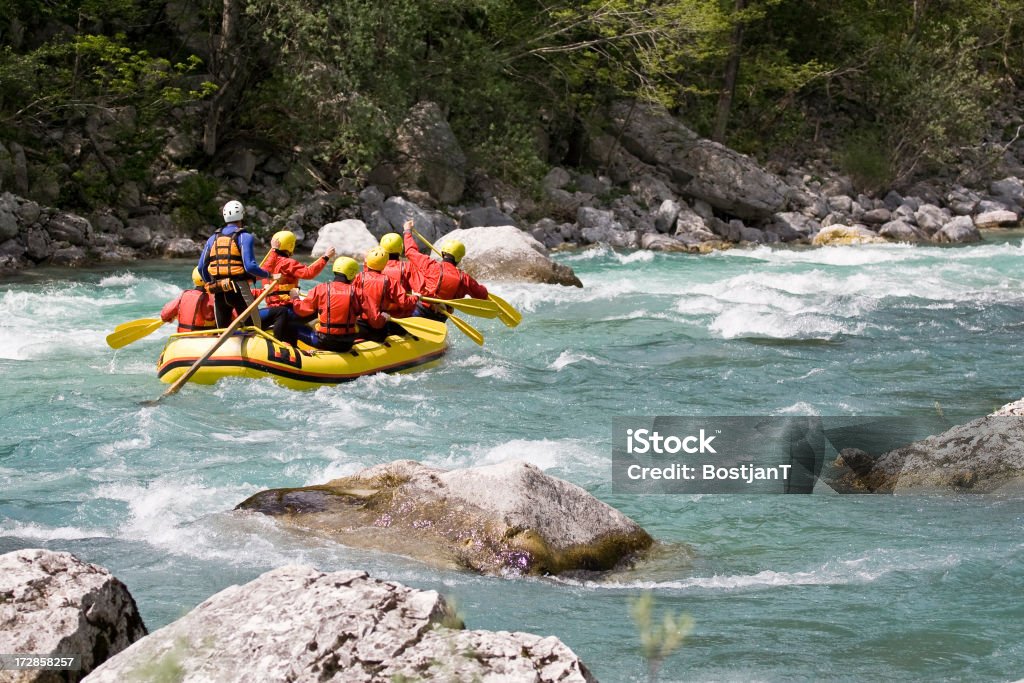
x=299 y=624
x=496 y=519
x=505 y=252
x=54 y=604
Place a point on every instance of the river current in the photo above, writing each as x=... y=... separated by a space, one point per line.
x=818 y=587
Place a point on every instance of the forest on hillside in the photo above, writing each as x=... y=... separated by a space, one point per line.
x=884 y=90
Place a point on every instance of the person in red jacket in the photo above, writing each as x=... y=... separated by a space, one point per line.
x=278 y=316
x=193 y=308
x=439 y=279
x=398 y=271
x=336 y=308
x=377 y=295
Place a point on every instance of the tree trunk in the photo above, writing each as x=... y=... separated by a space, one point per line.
x=227 y=63
x=732 y=69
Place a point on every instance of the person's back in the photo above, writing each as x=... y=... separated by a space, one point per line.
x=377 y=295
x=228 y=265
x=193 y=308
x=439 y=279
x=336 y=308
x=398 y=272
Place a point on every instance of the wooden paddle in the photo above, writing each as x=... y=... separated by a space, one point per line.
x=125 y=334
x=235 y=324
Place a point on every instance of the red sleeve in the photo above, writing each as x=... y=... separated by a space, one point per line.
x=298 y=271
x=472 y=287
x=170 y=310
x=310 y=305
x=417 y=258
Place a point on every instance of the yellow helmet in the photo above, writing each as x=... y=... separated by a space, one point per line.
x=285 y=240
x=391 y=243
x=197 y=279
x=454 y=247
x=346 y=266
x=376 y=259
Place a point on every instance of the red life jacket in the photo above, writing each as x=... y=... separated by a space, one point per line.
x=280 y=296
x=338 y=317
x=190 y=311
x=448 y=280
x=225 y=257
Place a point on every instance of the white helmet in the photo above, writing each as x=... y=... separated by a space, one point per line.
x=233 y=211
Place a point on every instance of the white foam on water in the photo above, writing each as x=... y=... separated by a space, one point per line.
x=563 y=454
x=39 y=532
x=266 y=436
x=142 y=440
x=589 y=254
x=798 y=408
x=120 y=280
x=569 y=357
x=338 y=467
x=745 y=322
x=807 y=375
x=859 y=255
x=833 y=573
x=635 y=257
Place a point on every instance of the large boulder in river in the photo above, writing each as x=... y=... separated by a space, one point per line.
x=693 y=166
x=504 y=252
x=496 y=519
x=348 y=237
x=54 y=604
x=981 y=456
x=299 y=624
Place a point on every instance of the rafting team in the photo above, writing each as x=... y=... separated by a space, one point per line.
x=357 y=304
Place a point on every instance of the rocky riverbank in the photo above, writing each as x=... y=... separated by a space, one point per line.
x=647 y=182
x=293 y=623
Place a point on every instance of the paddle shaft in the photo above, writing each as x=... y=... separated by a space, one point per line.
x=235 y=324
x=478 y=307
x=466 y=328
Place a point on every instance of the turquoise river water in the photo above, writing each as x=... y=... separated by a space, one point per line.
x=819 y=587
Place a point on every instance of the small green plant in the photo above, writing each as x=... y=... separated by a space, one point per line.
x=864 y=156
x=658 y=639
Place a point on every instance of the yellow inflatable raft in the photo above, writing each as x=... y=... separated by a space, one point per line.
x=253 y=353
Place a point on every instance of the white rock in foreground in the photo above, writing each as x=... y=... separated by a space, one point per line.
x=302 y=625
x=54 y=604
x=504 y=252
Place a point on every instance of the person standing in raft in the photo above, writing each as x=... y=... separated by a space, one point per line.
x=227 y=264
x=378 y=295
x=336 y=308
x=193 y=308
x=278 y=316
x=398 y=272
x=439 y=279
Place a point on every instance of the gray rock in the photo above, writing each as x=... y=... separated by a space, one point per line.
x=67 y=227
x=840 y=203
x=21 y=186
x=987 y=205
x=1010 y=188
x=28 y=212
x=299 y=624
x=597 y=219
x=54 y=604
x=180 y=144
x=793 y=222
x=395 y=211
x=521 y=520
x=37 y=244
x=876 y=216
x=703 y=209
x=692 y=166
x=843 y=235
x=754 y=235
x=839 y=185
x=728 y=231
x=563 y=204
x=892 y=200
x=996 y=219
x=650 y=189
x=665 y=216
x=960 y=229
x=982 y=456
x=432 y=159
x=241 y=164
x=905 y=212
x=657 y=242
x=8 y=225
x=182 y=247
x=961 y=202
x=12 y=248
x=6 y=168
x=588 y=184
x=931 y=218
x=69 y=256
x=484 y=216
x=107 y=223
x=689 y=221
x=370 y=199
x=556 y=179
x=507 y=253
x=275 y=165
x=137 y=235
x=901 y=231
x=276 y=197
